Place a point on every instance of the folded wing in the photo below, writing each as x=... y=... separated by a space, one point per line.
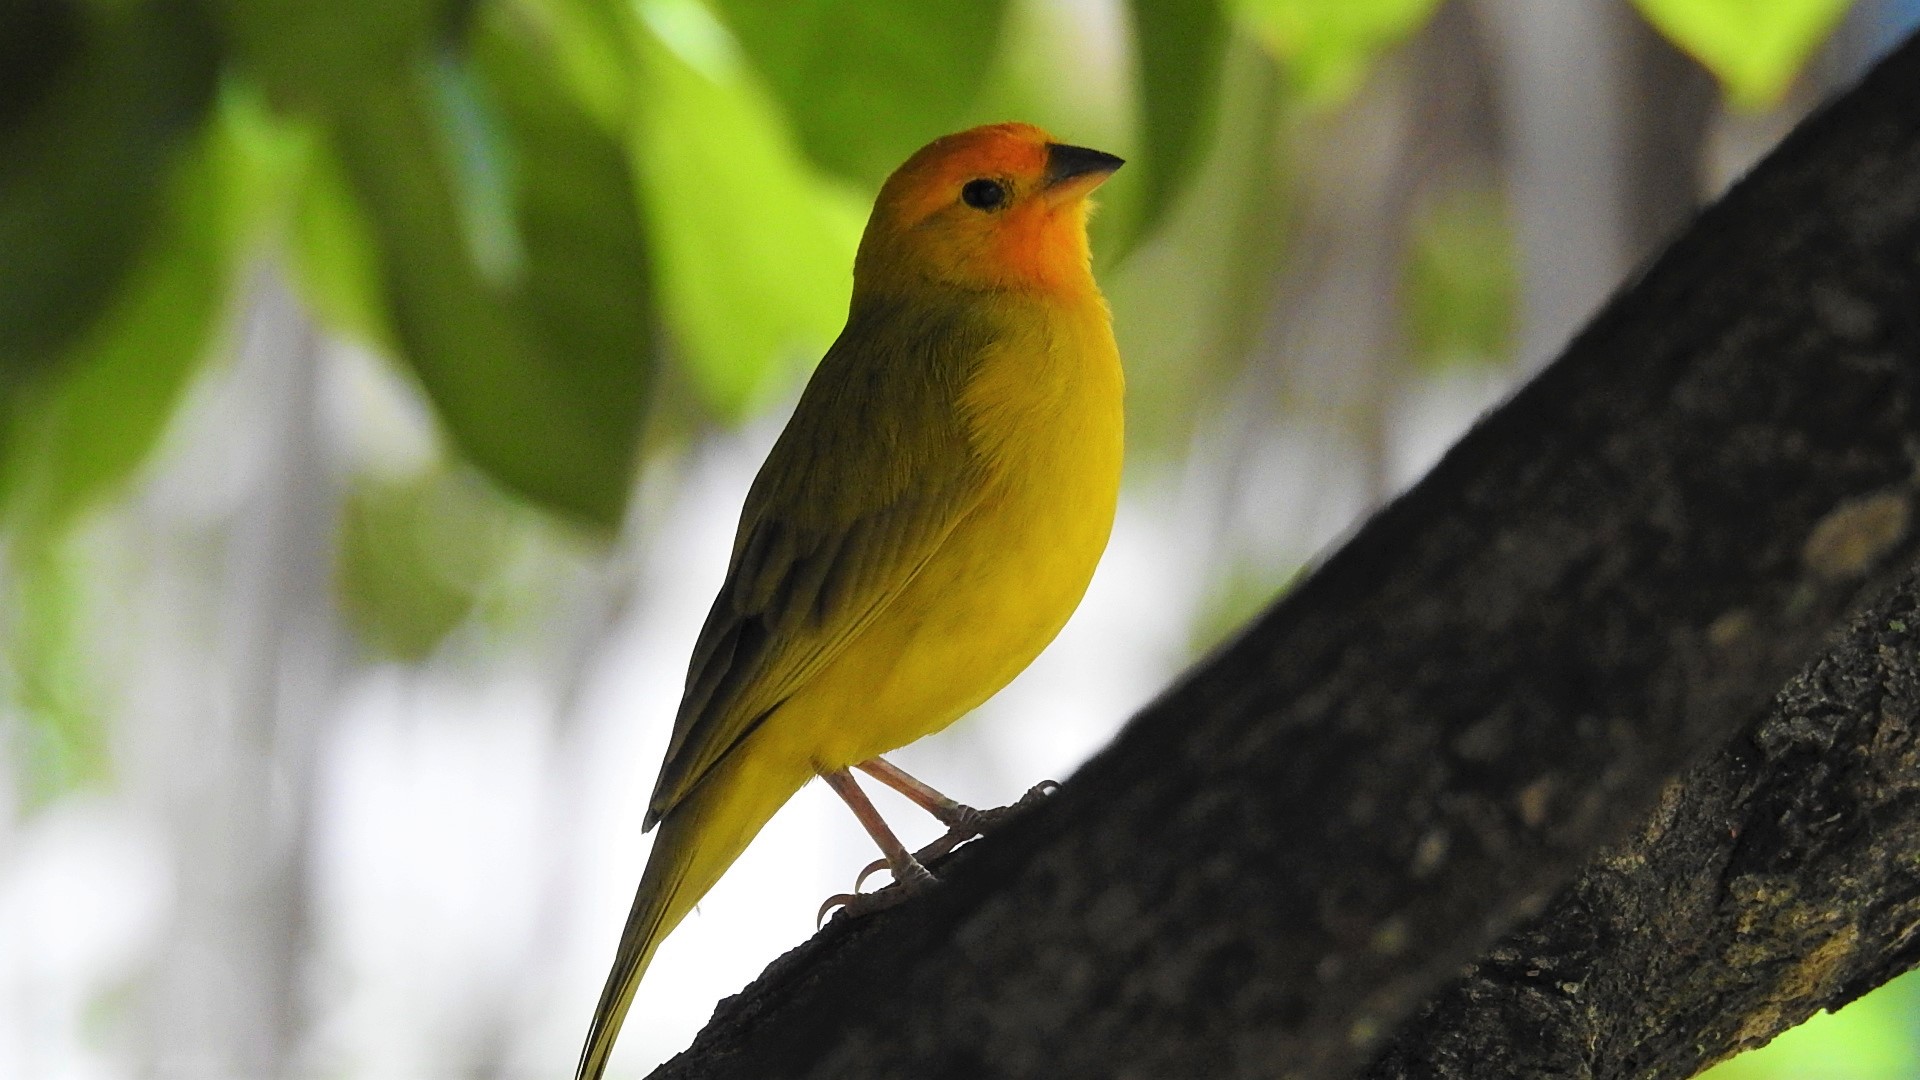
x=870 y=477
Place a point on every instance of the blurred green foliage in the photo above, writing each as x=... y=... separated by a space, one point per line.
x=77 y=431
x=506 y=232
x=424 y=553
x=1754 y=47
x=546 y=210
x=1327 y=45
x=96 y=100
x=1178 y=45
x=531 y=204
x=543 y=212
x=1461 y=288
x=46 y=675
x=1213 y=261
x=831 y=62
x=725 y=187
x=1874 y=1038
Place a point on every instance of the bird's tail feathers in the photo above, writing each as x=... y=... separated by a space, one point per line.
x=647 y=923
x=694 y=845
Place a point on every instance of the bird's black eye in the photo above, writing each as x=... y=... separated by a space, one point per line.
x=983 y=194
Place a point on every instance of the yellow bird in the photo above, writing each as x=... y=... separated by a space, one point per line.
x=921 y=530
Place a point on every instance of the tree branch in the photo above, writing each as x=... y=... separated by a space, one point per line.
x=1779 y=878
x=1275 y=863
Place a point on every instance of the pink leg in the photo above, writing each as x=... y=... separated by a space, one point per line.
x=963 y=822
x=951 y=814
x=907 y=871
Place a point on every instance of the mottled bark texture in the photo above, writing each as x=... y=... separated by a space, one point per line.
x=1276 y=863
x=1780 y=877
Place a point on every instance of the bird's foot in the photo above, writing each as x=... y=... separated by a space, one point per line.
x=913 y=877
x=965 y=824
x=910 y=879
x=981 y=822
x=969 y=823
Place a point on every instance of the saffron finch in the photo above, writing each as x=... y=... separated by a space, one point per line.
x=924 y=526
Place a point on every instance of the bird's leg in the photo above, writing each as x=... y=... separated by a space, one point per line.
x=907 y=871
x=954 y=815
x=963 y=822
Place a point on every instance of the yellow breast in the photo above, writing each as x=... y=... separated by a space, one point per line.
x=1044 y=411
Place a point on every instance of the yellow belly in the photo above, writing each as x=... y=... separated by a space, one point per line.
x=1003 y=584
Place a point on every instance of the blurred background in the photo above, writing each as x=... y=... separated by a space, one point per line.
x=380 y=381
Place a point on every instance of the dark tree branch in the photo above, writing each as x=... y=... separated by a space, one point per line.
x=1781 y=877
x=1281 y=858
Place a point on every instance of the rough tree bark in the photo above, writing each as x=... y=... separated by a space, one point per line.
x=1307 y=836
x=1781 y=877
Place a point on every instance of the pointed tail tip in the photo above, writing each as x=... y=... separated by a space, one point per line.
x=607 y=1018
x=593 y=1053
x=592 y=1065
x=638 y=940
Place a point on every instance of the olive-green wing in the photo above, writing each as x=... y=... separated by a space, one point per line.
x=868 y=479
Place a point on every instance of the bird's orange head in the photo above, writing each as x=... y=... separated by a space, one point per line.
x=992 y=208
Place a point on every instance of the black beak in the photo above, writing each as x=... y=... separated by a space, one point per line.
x=1066 y=162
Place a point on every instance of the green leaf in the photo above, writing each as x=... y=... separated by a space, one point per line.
x=96 y=100
x=1462 y=280
x=513 y=266
x=1189 y=303
x=865 y=84
x=1327 y=45
x=424 y=554
x=590 y=43
x=755 y=252
x=45 y=678
x=334 y=253
x=319 y=56
x=413 y=556
x=1755 y=47
x=1179 y=45
x=585 y=279
x=73 y=438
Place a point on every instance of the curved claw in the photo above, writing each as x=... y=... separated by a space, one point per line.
x=868 y=871
x=837 y=900
x=859 y=904
x=967 y=824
